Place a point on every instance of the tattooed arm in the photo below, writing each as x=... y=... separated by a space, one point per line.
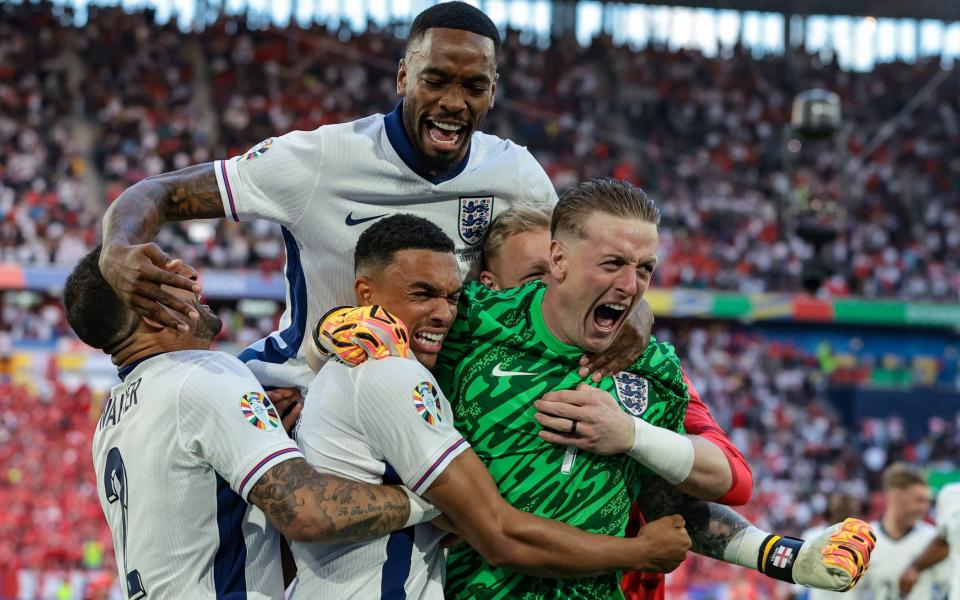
x=305 y=505
x=711 y=526
x=135 y=267
x=834 y=560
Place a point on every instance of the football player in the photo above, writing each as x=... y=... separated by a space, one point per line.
x=194 y=472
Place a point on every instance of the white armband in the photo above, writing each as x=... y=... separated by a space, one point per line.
x=666 y=453
x=421 y=511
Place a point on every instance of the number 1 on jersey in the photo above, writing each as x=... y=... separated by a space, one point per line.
x=115 y=487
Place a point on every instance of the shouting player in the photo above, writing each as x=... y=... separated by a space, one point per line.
x=388 y=421
x=194 y=473
x=517 y=251
x=325 y=186
x=506 y=349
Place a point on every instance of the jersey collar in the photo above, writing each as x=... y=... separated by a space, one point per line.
x=543 y=332
x=393 y=123
x=123 y=372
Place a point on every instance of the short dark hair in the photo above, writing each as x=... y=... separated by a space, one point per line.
x=381 y=240
x=95 y=312
x=455 y=15
x=602 y=194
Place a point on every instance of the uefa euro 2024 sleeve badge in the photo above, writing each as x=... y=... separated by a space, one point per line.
x=259 y=411
x=632 y=391
x=426 y=402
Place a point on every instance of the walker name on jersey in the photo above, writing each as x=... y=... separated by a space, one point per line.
x=118 y=406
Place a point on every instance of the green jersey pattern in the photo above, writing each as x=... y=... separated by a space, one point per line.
x=498 y=358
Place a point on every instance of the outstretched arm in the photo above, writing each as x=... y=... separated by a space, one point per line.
x=835 y=560
x=305 y=505
x=133 y=265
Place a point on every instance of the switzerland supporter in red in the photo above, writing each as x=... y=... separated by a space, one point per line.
x=699 y=421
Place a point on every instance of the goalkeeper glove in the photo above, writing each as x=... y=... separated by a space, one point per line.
x=835 y=560
x=355 y=334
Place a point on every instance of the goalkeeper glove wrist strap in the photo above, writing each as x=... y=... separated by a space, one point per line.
x=777 y=555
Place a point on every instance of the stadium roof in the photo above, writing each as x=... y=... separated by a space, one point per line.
x=946 y=10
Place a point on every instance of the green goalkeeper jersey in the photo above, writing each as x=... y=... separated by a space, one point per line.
x=498 y=358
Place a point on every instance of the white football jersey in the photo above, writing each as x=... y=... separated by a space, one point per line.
x=890 y=559
x=948 y=526
x=385 y=421
x=326 y=186
x=182 y=440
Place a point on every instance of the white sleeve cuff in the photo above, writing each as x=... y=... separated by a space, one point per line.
x=262 y=464
x=435 y=465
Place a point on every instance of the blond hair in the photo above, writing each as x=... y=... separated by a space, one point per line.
x=900 y=475
x=519 y=219
x=603 y=194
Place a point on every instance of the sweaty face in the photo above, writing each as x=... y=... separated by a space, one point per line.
x=599 y=279
x=421 y=288
x=522 y=258
x=447 y=81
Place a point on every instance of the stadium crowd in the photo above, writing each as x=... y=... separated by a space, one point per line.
x=705 y=135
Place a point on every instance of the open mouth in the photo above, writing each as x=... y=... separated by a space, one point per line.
x=428 y=341
x=445 y=135
x=607 y=316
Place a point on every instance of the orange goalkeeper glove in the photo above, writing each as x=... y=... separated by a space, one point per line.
x=834 y=560
x=355 y=334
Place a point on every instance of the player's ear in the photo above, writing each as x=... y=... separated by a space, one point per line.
x=558 y=261
x=362 y=287
x=493 y=90
x=489 y=280
x=151 y=324
x=401 y=78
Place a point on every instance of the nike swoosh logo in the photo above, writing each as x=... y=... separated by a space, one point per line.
x=498 y=372
x=351 y=221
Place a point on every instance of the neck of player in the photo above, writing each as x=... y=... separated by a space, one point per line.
x=140 y=346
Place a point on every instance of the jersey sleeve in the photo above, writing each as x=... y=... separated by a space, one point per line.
x=539 y=187
x=225 y=419
x=948 y=512
x=274 y=180
x=699 y=421
x=404 y=415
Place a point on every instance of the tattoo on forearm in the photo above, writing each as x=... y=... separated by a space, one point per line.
x=141 y=210
x=711 y=526
x=305 y=504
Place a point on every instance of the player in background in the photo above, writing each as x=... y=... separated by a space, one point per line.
x=507 y=348
x=517 y=251
x=902 y=535
x=194 y=473
x=388 y=421
x=945 y=547
x=324 y=187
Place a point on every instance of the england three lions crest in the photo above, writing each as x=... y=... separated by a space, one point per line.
x=476 y=213
x=632 y=390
